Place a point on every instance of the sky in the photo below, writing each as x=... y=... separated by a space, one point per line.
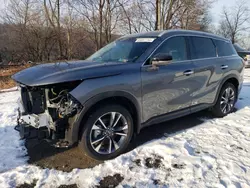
x=2 y=3
x=218 y=7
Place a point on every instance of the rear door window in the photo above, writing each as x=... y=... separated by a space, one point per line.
x=224 y=48
x=202 y=48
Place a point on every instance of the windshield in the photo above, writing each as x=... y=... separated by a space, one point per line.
x=124 y=50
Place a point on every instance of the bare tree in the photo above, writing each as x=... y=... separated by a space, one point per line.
x=112 y=16
x=158 y=15
x=205 y=21
x=137 y=16
x=69 y=24
x=17 y=12
x=101 y=17
x=93 y=21
x=100 y=8
x=51 y=29
x=52 y=12
x=169 y=14
x=182 y=13
x=233 y=23
x=126 y=18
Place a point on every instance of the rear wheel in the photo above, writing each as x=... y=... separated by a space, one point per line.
x=226 y=100
x=107 y=132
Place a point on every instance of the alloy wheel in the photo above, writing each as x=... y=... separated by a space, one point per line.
x=108 y=133
x=227 y=100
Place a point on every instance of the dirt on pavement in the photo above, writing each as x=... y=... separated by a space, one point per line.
x=46 y=156
x=111 y=181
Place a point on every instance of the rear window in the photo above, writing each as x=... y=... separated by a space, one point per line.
x=224 y=48
x=202 y=48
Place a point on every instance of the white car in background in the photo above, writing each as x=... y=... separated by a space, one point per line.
x=244 y=54
x=247 y=60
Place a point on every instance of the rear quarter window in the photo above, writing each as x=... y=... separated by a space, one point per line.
x=224 y=48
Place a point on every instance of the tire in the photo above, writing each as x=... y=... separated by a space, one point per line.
x=96 y=139
x=219 y=109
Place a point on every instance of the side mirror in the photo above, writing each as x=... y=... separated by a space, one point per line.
x=161 y=59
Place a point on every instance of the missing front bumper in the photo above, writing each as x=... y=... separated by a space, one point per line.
x=27 y=132
x=31 y=127
x=34 y=120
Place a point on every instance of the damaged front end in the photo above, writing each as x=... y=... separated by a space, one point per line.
x=46 y=112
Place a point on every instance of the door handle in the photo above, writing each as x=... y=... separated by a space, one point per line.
x=224 y=67
x=188 y=72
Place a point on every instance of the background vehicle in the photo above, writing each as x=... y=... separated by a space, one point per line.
x=244 y=54
x=136 y=81
x=247 y=59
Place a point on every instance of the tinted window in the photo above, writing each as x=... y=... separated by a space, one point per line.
x=224 y=48
x=203 y=48
x=176 y=47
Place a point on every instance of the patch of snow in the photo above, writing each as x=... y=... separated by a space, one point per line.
x=8 y=90
x=213 y=154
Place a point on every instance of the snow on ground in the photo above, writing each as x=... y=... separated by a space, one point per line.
x=213 y=154
x=8 y=90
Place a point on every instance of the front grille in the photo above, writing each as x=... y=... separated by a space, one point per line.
x=33 y=100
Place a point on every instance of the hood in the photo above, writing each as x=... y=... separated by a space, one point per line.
x=53 y=73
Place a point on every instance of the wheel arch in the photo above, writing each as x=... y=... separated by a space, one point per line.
x=228 y=79
x=116 y=97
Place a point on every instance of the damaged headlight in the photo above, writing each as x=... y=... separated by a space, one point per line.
x=63 y=103
x=68 y=106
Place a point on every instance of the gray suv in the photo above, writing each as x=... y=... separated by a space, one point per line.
x=133 y=82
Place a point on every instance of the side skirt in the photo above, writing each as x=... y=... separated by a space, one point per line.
x=166 y=117
x=175 y=115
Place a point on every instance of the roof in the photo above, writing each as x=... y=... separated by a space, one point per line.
x=166 y=33
x=191 y=32
x=145 y=34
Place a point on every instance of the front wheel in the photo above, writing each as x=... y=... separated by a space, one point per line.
x=226 y=100
x=107 y=132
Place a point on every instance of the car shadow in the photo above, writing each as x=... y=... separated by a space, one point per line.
x=169 y=127
x=41 y=153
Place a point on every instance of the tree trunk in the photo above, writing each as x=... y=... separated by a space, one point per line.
x=169 y=15
x=127 y=17
x=69 y=50
x=59 y=30
x=158 y=15
x=108 y=22
x=101 y=4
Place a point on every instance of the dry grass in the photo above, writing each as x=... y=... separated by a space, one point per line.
x=6 y=73
x=6 y=82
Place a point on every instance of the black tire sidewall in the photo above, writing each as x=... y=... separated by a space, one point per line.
x=217 y=108
x=85 y=139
